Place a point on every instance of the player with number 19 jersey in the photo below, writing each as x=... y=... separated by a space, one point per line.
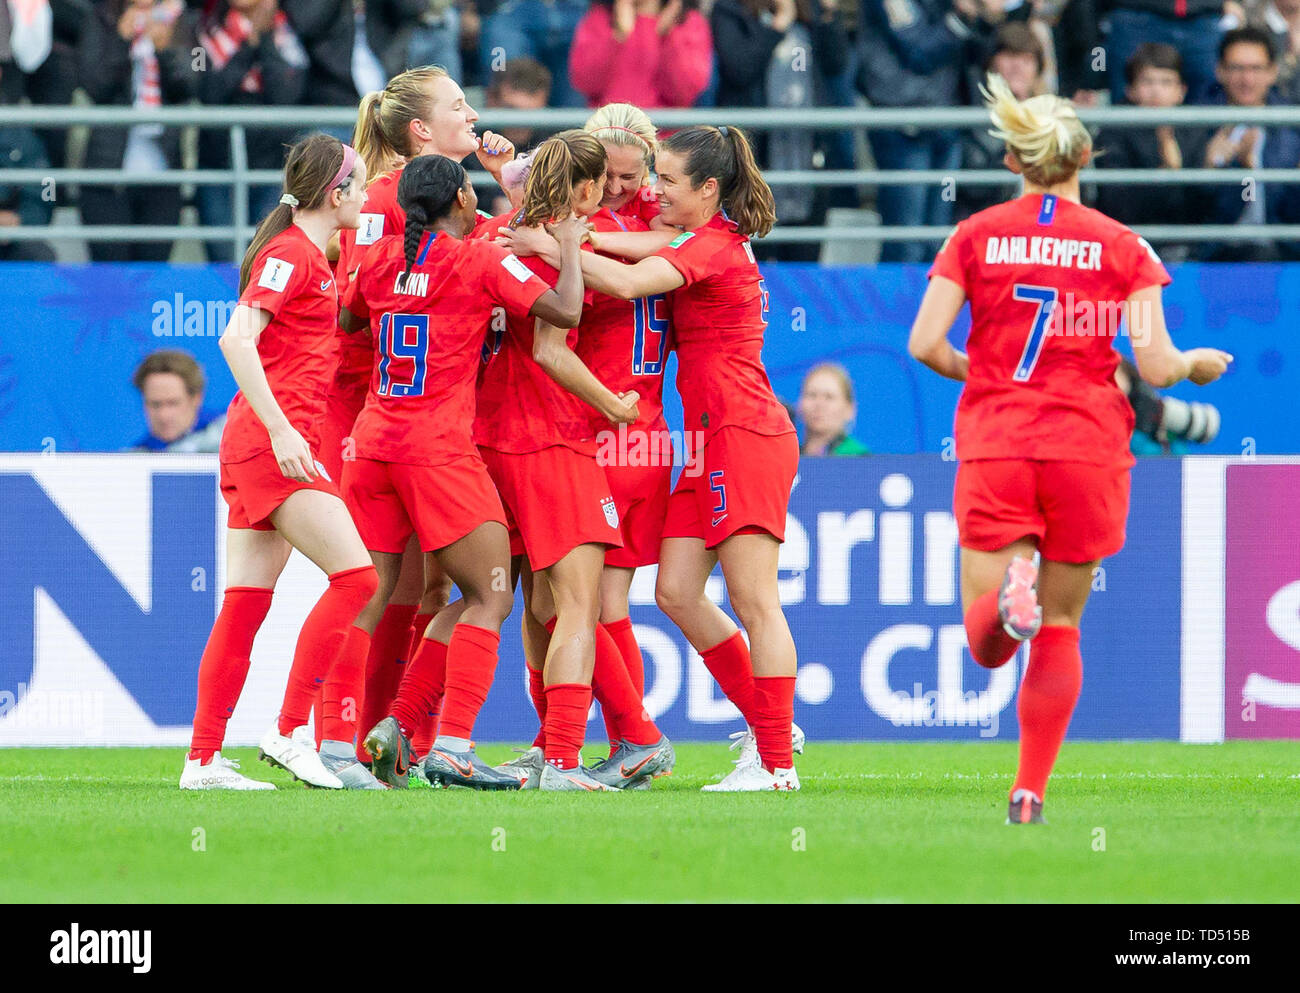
x=428 y=327
x=738 y=480
x=625 y=344
x=1042 y=429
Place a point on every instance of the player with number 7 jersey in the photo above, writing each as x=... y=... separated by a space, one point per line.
x=1042 y=429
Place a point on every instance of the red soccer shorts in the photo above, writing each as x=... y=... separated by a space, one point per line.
x=1076 y=511
x=255 y=487
x=556 y=500
x=342 y=404
x=740 y=484
x=441 y=504
x=641 y=495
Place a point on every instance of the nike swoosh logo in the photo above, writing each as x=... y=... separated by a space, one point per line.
x=717 y=520
x=466 y=770
x=325 y=284
x=629 y=773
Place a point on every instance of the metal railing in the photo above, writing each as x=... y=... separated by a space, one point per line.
x=240 y=177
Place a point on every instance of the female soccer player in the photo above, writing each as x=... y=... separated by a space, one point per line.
x=625 y=344
x=730 y=501
x=1042 y=430
x=280 y=347
x=420 y=112
x=538 y=440
x=428 y=296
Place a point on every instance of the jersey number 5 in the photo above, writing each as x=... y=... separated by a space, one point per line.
x=1045 y=297
x=403 y=336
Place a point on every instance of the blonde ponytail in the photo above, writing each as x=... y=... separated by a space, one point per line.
x=1044 y=133
x=382 y=138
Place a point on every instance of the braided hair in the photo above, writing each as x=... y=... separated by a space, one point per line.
x=426 y=191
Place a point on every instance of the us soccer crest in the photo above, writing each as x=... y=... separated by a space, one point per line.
x=611 y=512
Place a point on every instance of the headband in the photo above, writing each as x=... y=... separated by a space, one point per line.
x=615 y=127
x=349 y=160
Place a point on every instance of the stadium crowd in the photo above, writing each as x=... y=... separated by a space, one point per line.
x=679 y=53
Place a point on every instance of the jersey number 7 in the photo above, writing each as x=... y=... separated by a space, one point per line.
x=403 y=336
x=1045 y=297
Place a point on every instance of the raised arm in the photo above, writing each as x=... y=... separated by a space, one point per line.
x=239 y=346
x=562 y=306
x=928 y=342
x=634 y=245
x=1159 y=362
x=628 y=282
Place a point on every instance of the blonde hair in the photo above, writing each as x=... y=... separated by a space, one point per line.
x=625 y=125
x=382 y=138
x=1044 y=133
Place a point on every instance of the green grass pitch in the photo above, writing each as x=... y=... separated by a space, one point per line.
x=1134 y=821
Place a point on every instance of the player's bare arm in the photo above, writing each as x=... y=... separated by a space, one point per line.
x=552 y=353
x=633 y=245
x=1159 y=362
x=628 y=282
x=928 y=342
x=239 y=346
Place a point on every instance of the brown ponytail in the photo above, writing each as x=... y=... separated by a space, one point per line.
x=556 y=168
x=725 y=154
x=311 y=164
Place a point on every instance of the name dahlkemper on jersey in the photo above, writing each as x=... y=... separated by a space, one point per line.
x=1065 y=253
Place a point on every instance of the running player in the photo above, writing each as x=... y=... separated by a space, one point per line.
x=539 y=443
x=730 y=501
x=1042 y=430
x=428 y=296
x=420 y=112
x=280 y=348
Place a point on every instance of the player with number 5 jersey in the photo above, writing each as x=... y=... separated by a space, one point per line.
x=730 y=502
x=1042 y=429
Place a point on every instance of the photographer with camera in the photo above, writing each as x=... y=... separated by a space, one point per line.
x=1164 y=425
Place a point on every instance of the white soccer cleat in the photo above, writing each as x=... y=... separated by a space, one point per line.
x=297 y=756
x=219 y=774
x=748 y=744
x=755 y=779
x=527 y=768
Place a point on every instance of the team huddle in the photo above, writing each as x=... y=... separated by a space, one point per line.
x=425 y=413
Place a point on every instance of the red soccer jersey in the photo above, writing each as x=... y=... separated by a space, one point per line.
x=625 y=343
x=644 y=206
x=1045 y=278
x=291 y=280
x=718 y=323
x=429 y=329
x=380 y=216
x=520 y=407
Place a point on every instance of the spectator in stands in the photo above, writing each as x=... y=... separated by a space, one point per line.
x=542 y=29
x=1017 y=55
x=1247 y=70
x=325 y=28
x=745 y=35
x=26 y=204
x=649 y=53
x=827 y=410
x=1191 y=26
x=1281 y=19
x=38 y=40
x=406 y=33
x=172 y=384
x=135 y=53
x=524 y=84
x=911 y=55
x=252 y=56
x=1072 y=31
x=1155 y=79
